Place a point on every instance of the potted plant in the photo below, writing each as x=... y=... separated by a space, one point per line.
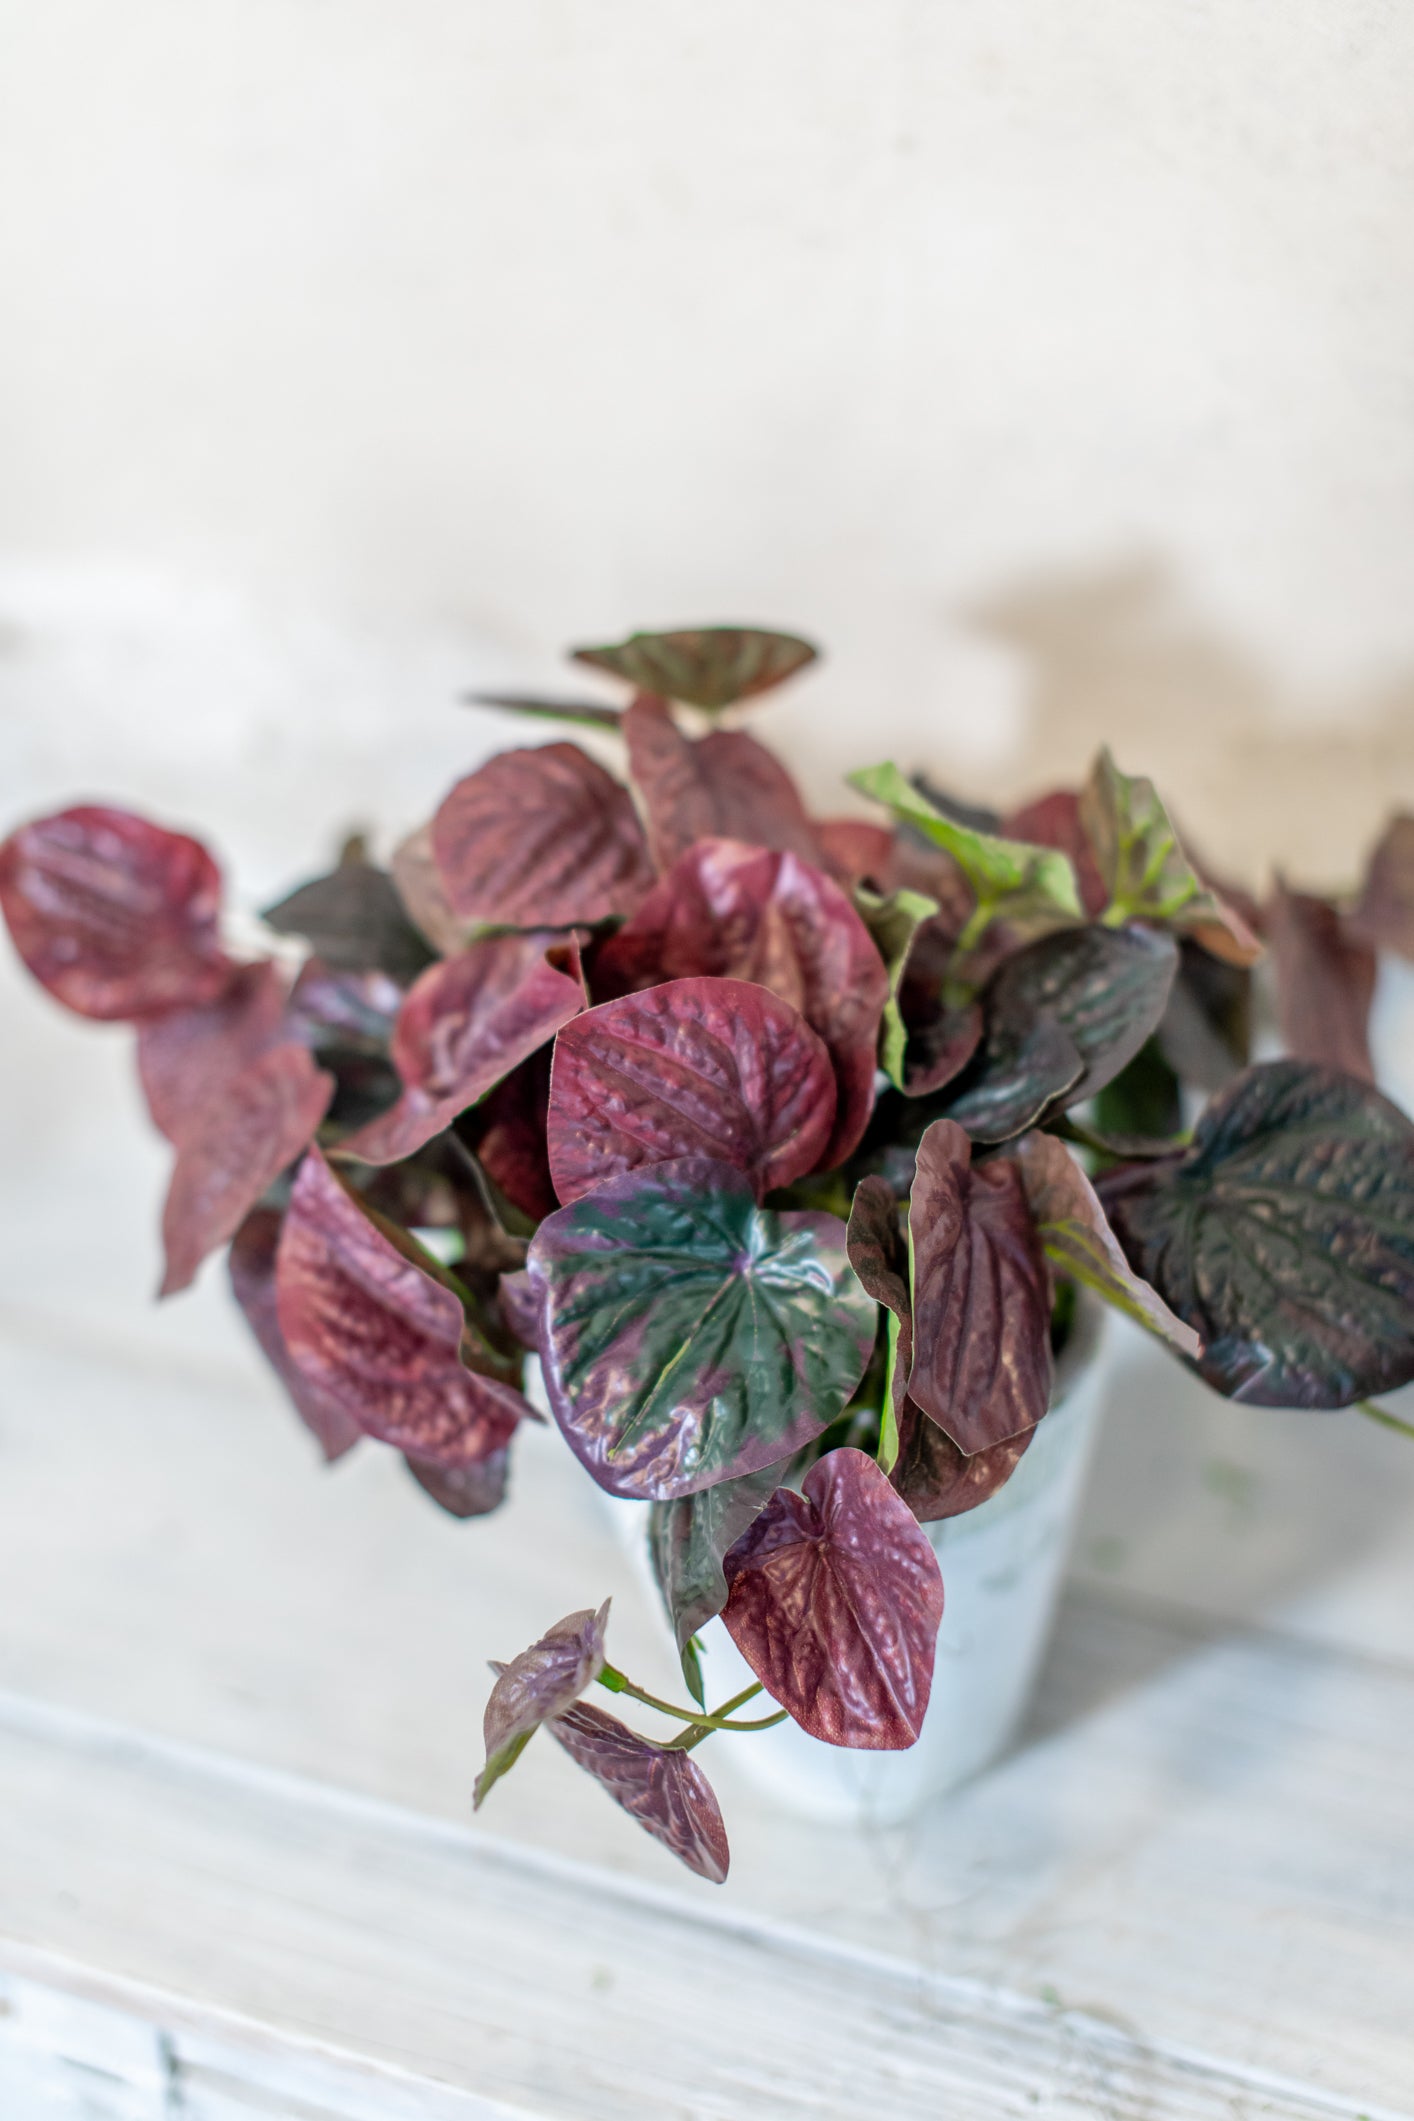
x=793 y=1151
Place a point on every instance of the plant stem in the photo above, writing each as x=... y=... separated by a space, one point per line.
x=616 y=1683
x=1383 y=1416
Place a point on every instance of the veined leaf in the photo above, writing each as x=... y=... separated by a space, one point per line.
x=1145 y=871
x=723 y=786
x=1011 y=879
x=688 y=1539
x=543 y=1681
x=540 y=839
x=666 y=1792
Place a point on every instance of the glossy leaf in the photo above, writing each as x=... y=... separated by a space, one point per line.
x=1384 y=914
x=894 y=923
x=687 y=1540
x=835 y=1603
x=730 y=911
x=465 y=1491
x=186 y=1055
x=722 y=786
x=1325 y=982
x=938 y=1481
x=1146 y=874
x=697 y=1067
x=689 y=1336
x=1284 y=1237
x=981 y=1295
x=251 y=1263
x=540 y=839
x=113 y=915
x=666 y=1792
x=353 y=919
x=542 y=1682
x=520 y=1307
x=707 y=666
x=465 y=1024
x=1017 y=881
x=380 y=1335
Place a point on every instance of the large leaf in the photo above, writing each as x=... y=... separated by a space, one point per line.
x=1384 y=913
x=687 y=1540
x=730 y=911
x=665 y=1791
x=722 y=786
x=542 y=1682
x=981 y=1295
x=353 y=919
x=707 y=666
x=113 y=915
x=1010 y=879
x=540 y=839
x=698 y=1067
x=835 y=1603
x=1284 y=1237
x=1146 y=874
x=465 y=1024
x=937 y=1480
x=1325 y=982
x=185 y=1055
x=251 y=1262
x=379 y=1334
x=688 y=1336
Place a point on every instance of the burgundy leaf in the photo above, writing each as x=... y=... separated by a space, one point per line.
x=1384 y=915
x=698 y=1067
x=730 y=911
x=114 y=915
x=464 y=1491
x=1325 y=981
x=878 y=1253
x=836 y=1602
x=723 y=786
x=251 y=1262
x=185 y=1055
x=544 y=1681
x=424 y=897
x=936 y=1480
x=981 y=1295
x=463 y=1026
x=1054 y=821
x=511 y=1137
x=520 y=1307
x=666 y=1792
x=857 y=852
x=540 y=839
x=378 y=1334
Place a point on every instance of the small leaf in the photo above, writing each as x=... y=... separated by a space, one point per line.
x=1384 y=914
x=938 y=1481
x=724 y=786
x=251 y=1262
x=1018 y=882
x=540 y=839
x=707 y=666
x=1146 y=874
x=1284 y=1237
x=544 y=1681
x=354 y=920
x=689 y=1336
x=687 y=1540
x=835 y=1603
x=981 y=1299
x=666 y=1792
x=465 y=1491
x=894 y=922
x=698 y=1067
x=1325 y=982
x=588 y=714
x=113 y=915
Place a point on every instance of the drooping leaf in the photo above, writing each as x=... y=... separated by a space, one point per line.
x=856 y=852
x=1076 y=1238
x=666 y=1792
x=544 y=1681
x=1384 y=913
x=835 y=1603
x=981 y=1296
x=1054 y=821
x=465 y=1491
x=1284 y=1237
x=723 y=786
x=510 y=1138
x=729 y=911
x=687 y=1540
x=707 y=666
x=589 y=714
x=464 y=1025
x=184 y=1056
x=1015 y=881
x=251 y=1262
x=353 y=919
x=540 y=839
x=424 y=897
x=1146 y=874
x=697 y=1067
x=115 y=916
x=688 y=1336
x=379 y=1334
x=1325 y=982
x=878 y=1252
x=937 y=1480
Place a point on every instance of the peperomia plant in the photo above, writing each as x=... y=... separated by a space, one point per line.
x=781 y=1143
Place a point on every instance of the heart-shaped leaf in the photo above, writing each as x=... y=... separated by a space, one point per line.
x=1054 y=821
x=379 y=1335
x=724 y=786
x=687 y=1540
x=251 y=1262
x=981 y=1295
x=544 y=1681
x=1146 y=874
x=353 y=919
x=185 y=1055
x=707 y=666
x=1384 y=914
x=1010 y=879
x=688 y=1336
x=465 y=1024
x=113 y=915
x=540 y=839
x=666 y=1792
x=937 y=1480
x=1284 y=1237
x=1013 y=1083
x=464 y=1491
x=1325 y=982
x=835 y=1603
x=730 y=911
x=698 y=1067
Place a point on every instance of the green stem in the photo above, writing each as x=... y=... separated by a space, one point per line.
x=1383 y=1416
x=616 y=1683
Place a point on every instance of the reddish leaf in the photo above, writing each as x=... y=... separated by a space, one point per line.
x=836 y=1602
x=463 y=1026
x=464 y=1491
x=698 y=1067
x=544 y=1681
x=878 y=1253
x=981 y=1295
x=352 y=1012
x=423 y=896
x=511 y=1137
x=724 y=786
x=708 y=666
x=540 y=839
x=666 y=1792
x=115 y=916
x=730 y=911
x=856 y=852
x=1384 y=916
x=937 y=1481
x=687 y=1540
x=185 y=1055
x=251 y=1262
x=1054 y=821
x=378 y=1334
x=1325 y=981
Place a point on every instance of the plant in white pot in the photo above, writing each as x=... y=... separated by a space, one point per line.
x=764 y=1134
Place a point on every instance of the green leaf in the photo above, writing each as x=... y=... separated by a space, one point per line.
x=587 y=714
x=1146 y=872
x=893 y=922
x=687 y=1540
x=707 y=666
x=1011 y=879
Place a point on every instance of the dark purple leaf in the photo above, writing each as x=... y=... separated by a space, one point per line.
x=878 y=1253
x=1205 y=1034
x=540 y=839
x=730 y=911
x=937 y=1480
x=688 y=1538
x=1325 y=981
x=1054 y=821
x=544 y=1681
x=835 y=1603
x=689 y=1336
x=1145 y=872
x=666 y=1792
x=520 y=1307
x=1031 y=887
x=1284 y=1237
x=464 y=1491
x=354 y=920
x=1384 y=915
x=724 y=786
x=185 y=1056
x=981 y=1295
x=251 y=1261
x=926 y=1040
x=698 y=1067
x=707 y=666
x=113 y=915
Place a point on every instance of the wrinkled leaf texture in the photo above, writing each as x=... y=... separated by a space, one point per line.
x=1146 y=874
x=251 y=1263
x=541 y=1682
x=721 y=786
x=666 y=1792
x=541 y=838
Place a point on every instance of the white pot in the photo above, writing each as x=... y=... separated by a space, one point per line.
x=1001 y=1567
x=1392 y=1029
